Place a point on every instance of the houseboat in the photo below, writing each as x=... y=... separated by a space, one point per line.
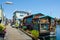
x=28 y=20
x=44 y=24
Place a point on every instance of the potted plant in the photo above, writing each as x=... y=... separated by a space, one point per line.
x=2 y=30
x=16 y=25
x=35 y=34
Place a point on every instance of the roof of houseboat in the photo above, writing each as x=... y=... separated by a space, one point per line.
x=39 y=14
x=34 y=15
x=46 y=17
x=41 y=17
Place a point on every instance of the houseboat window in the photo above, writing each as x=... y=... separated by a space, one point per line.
x=52 y=22
x=29 y=20
x=21 y=15
x=44 y=20
x=44 y=24
x=44 y=27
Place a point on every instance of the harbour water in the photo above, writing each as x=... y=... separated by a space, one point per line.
x=58 y=32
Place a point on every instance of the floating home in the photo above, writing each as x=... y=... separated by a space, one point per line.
x=44 y=24
x=28 y=20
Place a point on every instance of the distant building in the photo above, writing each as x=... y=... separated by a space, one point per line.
x=19 y=15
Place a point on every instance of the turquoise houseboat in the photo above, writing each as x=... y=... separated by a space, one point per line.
x=44 y=24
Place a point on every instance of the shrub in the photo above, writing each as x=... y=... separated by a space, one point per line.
x=24 y=27
x=35 y=33
x=2 y=27
x=16 y=24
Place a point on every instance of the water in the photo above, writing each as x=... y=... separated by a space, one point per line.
x=1 y=38
x=58 y=32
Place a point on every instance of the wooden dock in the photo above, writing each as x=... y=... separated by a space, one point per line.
x=14 y=34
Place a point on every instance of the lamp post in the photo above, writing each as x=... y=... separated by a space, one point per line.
x=1 y=11
x=1 y=14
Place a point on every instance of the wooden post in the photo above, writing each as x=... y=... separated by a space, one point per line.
x=55 y=22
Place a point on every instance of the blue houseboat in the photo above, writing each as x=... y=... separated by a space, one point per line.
x=44 y=24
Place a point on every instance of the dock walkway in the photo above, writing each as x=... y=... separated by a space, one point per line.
x=14 y=34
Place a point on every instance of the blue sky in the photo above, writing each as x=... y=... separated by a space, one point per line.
x=47 y=7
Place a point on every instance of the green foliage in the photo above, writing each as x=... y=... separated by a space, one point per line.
x=35 y=33
x=2 y=27
x=16 y=24
x=24 y=27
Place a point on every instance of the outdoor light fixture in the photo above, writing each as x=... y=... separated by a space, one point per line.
x=8 y=2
